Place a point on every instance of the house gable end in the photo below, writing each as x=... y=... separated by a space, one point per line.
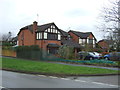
x=44 y=27
x=29 y=27
x=92 y=36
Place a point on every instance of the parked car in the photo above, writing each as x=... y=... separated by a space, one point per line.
x=98 y=55
x=88 y=55
x=112 y=56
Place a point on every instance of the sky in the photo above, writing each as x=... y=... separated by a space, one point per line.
x=78 y=15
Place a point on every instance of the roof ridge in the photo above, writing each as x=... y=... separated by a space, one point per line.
x=80 y=32
x=46 y=24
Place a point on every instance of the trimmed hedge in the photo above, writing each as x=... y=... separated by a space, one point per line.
x=27 y=48
x=29 y=52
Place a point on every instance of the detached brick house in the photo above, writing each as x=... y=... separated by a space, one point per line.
x=104 y=44
x=83 y=38
x=49 y=37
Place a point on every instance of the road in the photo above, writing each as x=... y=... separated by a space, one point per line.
x=21 y=80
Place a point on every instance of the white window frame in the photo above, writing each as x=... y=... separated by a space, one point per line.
x=53 y=26
x=45 y=35
x=56 y=30
x=37 y=36
x=80 y=41
x=93 y=41
x=88 y=40
x=59 y=37
x=48 y=29
x=41 y=36
x=83 y=41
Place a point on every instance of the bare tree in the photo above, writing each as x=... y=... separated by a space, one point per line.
x=7 y=37
x=110 y=16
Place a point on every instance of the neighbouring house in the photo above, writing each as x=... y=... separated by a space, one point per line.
x=83 y=38
x=105 y=44
x=67 y=40
x=49 y=37
x=14 y=41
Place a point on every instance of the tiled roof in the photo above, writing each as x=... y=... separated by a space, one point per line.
x=70 y=43
x=53 y=45
x=29 y=27
x=107 y=41
x=44 y=27
x=82 y=35
x=63 y=32
x=15 y=38
x=40 y=27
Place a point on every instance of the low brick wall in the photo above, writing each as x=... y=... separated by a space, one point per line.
x=9 y=53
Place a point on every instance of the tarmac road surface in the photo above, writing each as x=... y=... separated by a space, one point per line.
x=21 y=80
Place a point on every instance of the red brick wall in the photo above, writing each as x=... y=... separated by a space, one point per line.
x=103 y=44
x=28 y=38
x=74 y=37
x=91 y=36
x=43 y=43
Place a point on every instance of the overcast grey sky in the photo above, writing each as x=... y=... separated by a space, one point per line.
x=79 y=15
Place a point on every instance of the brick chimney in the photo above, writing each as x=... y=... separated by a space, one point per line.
x=34 y=30
x=35 y=26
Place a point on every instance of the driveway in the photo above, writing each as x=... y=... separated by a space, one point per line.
x=112 y=68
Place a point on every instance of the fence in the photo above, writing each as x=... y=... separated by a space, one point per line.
x=8 y=52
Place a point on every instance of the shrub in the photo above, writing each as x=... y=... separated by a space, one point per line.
x=66 y=52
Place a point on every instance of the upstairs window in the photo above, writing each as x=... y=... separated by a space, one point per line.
x=45 y=35
x=59 y=37
x=52 y=36
x=83 y=41
x=48 y=29
x=91 y=41
x=80 y=41
x=39 y=35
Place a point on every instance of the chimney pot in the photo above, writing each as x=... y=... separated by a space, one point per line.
x=35 y=25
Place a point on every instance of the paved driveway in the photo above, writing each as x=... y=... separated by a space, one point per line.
x=112 y=68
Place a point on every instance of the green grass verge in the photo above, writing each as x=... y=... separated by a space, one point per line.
x=51 y=68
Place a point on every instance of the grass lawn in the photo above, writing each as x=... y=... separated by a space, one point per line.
x=50 y=68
